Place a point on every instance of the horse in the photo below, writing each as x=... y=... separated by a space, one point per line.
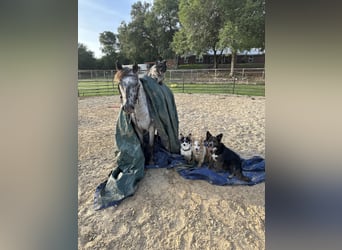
x=134 y=104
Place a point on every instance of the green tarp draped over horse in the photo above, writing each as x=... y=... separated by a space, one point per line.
x=130 y=161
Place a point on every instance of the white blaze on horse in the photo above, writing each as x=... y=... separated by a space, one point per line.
x=134 y=104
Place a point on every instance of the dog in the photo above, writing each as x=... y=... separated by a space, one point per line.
x=199 y=151
x=157 y=71
x=223 y=158
x=185 y=147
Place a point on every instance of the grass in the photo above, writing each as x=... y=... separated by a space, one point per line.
x=211 y=88
x=97 y=88
x=101 y=88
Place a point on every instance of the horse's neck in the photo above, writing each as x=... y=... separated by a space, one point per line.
x=141 y=106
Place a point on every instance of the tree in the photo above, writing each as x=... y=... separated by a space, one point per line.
x=201 y=21
x=137 y=41
x=108 y=47
x=86 y=59
x=219 y=24
x=180 y=44
x=166 y=12
x=108 y=43
x=244 y=26
x=149 y=35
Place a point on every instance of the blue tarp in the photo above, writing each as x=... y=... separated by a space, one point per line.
x=253 y=167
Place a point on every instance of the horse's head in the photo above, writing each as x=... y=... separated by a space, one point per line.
x=128 y=85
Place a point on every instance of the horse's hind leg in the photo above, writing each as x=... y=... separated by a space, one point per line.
x=150 y=145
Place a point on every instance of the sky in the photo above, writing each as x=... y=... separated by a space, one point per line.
x=97 y=16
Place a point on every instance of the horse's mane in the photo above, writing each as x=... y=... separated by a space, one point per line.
x=121 y=73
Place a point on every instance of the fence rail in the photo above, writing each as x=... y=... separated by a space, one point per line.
x=246 y=81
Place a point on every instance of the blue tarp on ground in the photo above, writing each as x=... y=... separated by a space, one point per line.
x=253 y=167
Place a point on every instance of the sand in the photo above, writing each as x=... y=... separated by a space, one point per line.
x=168 y=211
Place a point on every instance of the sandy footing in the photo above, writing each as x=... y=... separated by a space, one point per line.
x=167 y=211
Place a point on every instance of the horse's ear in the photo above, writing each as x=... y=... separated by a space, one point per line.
x=118 y=65
x=135 y=68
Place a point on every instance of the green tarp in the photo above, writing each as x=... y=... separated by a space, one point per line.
x=130 y=161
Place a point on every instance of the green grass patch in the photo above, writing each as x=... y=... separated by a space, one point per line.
x=211 y=88
x=97 y=88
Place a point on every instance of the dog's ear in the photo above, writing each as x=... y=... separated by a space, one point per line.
x=135 y=68
x=164 y=66
x=118 y=65
x=219 y=137
x=208 y=135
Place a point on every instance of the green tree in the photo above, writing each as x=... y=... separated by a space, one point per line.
x=109 y=47
x=86 y=59
x=149 y=34
x=137 y=42
x=166 y=12
x=201 y=21
x=244 y=26
x=108 y=43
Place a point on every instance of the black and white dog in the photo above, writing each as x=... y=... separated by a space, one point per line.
x=223 y=158
x=157 y=71
x=186 y=147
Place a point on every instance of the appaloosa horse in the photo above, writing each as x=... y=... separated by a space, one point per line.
x=134 y=103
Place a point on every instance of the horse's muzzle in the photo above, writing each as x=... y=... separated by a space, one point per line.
x=128 y=108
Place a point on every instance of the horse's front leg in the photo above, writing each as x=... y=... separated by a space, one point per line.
x=151 y=144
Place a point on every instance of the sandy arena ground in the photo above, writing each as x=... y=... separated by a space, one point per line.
x=167 y=211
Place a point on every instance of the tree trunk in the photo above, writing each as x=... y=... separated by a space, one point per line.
x=176 y=62
x=220 y=57
x=232 y=64
x=215 y=60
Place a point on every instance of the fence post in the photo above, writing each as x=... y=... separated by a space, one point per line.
x=183 y=81
x=233 y=83
x=215 y=76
